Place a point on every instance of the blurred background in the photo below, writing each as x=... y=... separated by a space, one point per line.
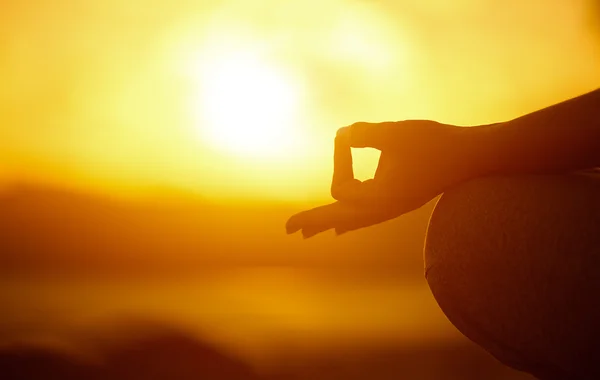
x=151 y=152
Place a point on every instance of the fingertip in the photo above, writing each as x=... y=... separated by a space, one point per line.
x=368 y=135
x=343 y=133
x=293 y=225
x=307 y=233
x=360 y=124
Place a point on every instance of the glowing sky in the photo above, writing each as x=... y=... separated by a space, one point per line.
x=242 y=98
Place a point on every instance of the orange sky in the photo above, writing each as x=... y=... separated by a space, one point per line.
x=242 y=98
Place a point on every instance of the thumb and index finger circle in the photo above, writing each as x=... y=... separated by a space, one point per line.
x=344 y=187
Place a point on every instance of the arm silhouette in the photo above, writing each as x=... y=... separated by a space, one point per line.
x=420 y=159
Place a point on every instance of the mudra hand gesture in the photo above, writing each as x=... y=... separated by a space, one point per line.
x=419 y=159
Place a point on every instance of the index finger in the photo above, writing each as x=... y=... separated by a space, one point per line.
x=343 y=173
x=370 y=135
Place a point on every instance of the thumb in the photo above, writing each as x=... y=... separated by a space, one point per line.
x=344 y=187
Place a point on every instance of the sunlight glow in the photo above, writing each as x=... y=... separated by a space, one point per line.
x=240 y=99
x=247 y=105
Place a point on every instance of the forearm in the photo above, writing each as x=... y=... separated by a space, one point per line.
x=561 y=138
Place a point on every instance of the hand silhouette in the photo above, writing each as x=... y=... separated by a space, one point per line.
x=419 y=159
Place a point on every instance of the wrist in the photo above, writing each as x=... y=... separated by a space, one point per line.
x=476 y=151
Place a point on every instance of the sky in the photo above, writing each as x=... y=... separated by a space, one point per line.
x=241 y=99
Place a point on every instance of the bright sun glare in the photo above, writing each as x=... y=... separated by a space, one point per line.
x=248 y=105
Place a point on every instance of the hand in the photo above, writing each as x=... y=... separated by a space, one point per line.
x=419 y=160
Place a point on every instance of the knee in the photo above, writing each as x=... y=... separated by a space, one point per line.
x=512 y=262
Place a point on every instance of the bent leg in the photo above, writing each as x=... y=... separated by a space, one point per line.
x=514 y=263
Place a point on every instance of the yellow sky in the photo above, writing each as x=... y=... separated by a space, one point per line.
x=242 y=98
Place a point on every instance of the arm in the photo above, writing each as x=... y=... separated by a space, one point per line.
x=421 y=159
x=561 y=138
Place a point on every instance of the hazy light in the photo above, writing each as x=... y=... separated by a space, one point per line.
x=205 y=94
x=246 y=104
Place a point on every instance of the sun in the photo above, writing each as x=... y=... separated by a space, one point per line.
x=247 y=104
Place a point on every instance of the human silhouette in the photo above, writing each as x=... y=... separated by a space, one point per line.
x=513 y=246
x=420 y=159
